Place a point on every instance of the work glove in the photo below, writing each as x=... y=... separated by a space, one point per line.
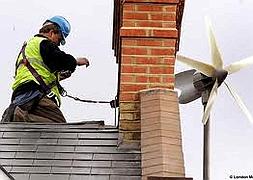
x=64 y=74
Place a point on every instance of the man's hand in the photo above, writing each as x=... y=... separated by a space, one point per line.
x=82 y=61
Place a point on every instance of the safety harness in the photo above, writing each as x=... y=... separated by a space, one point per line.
x=45 y=88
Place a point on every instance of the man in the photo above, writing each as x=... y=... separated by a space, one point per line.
x=39 y=67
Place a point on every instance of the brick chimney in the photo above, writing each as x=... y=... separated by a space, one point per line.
x=145 y=40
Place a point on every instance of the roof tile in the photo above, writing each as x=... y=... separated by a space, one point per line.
x=120 y=177
x=22 y=162
x=21 y=176
x=45 y=155
x=88 y=177
x=6 y=162
x=4 y=154
x=32 y=141
x=45 y=148
x=126 y=164
x=49 y=177
x=25 y=155
x=83 y=156
x=21 y=134
x=81 y=170
x=9 y=141
x=91 y=163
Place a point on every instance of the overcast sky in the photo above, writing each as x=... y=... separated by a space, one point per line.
x=91 y=37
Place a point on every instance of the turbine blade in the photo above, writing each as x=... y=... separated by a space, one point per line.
x=237 y=66
x=239 y=102
x=215 y=52
x=206 y=69
x=210 y=102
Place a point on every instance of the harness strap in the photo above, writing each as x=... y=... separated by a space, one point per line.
x=18 y=63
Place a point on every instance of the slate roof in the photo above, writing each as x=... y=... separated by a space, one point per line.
x=74 y=151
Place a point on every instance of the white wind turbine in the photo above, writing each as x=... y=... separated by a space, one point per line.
x=218 y=73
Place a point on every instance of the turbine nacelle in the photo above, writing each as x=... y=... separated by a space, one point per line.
x=202 y=82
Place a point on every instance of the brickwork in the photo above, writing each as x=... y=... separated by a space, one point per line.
x=148 y=39
x=161 y=143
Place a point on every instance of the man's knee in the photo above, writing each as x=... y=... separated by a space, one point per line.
x=20 y=115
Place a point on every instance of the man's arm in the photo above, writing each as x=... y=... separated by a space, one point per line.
x=80 y=62
x=55 y=59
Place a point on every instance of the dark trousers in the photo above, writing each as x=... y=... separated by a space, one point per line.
x=42 y=111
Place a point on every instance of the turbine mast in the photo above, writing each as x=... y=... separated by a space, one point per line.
x=206 y=139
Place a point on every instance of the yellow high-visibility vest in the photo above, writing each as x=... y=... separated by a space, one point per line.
x=23 y=75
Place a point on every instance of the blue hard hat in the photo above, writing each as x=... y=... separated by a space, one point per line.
x=63 y=25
